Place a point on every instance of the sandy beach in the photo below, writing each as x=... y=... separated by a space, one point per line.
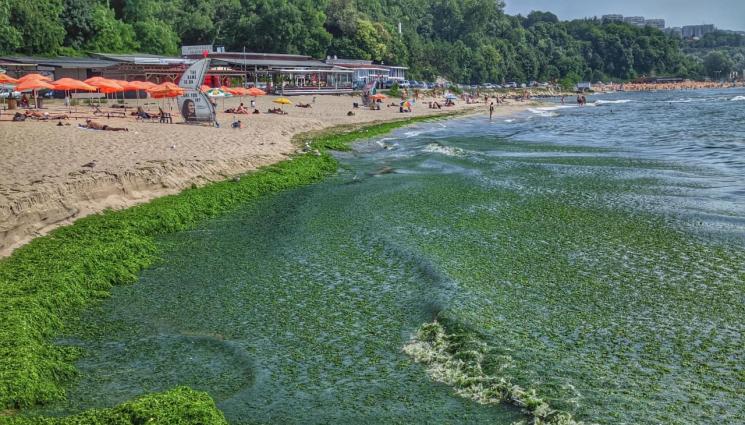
x=53 y=175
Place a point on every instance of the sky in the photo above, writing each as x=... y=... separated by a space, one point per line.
x=725 y=14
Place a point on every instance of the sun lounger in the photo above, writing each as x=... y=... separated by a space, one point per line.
x=165 y=117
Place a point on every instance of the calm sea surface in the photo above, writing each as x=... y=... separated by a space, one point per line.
x=599 y=250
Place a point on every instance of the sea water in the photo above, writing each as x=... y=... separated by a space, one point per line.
x=599 y=250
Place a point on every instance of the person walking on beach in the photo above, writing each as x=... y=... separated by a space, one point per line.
x=491 y=111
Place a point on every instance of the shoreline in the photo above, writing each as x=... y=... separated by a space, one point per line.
x=50 y=184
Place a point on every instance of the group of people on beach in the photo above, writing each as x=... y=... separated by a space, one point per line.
x=241 y=109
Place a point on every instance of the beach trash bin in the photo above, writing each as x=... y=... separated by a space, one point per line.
x=12 y=103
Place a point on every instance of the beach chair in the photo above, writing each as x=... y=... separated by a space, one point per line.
x=165 y=117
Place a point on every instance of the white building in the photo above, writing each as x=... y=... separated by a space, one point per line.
x=635 y=20
x=656 y=23
x=697 y=31
x=613 y=18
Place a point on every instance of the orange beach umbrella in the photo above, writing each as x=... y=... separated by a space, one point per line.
x=126 y=85
x=142 y=85
x=106 y=86
x=93 y=79
x=28 y=77
x=165 y=90
x=7 y=79
x=253 y=91
x=32 y=84
x=235 y=91
x=65 y=84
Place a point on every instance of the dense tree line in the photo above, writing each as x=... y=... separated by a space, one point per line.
x=721 y=52
x=463 y=40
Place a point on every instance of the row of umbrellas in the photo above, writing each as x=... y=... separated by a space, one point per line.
x=32 y=82
x=231 y=91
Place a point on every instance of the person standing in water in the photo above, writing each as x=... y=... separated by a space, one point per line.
x=491 y=111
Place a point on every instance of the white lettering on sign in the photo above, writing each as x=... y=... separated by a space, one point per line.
x=195 y=50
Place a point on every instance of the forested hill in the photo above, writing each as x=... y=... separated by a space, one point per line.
x=463 y=40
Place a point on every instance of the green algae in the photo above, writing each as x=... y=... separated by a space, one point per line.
x=178 y=406
x=558 y=281
x=48 y=282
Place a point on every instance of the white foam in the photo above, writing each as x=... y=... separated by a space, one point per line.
x=737 y=98
x=689 y=100
x=443 y=150
x=509 y=121
x=543 y=113
x=612 y=102
x=555 y=108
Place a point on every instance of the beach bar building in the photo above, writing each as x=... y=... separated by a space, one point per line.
x=115 y=66
x=278 y=73
x=366 y=71
x=55 y=68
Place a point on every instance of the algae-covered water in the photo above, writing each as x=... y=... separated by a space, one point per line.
x=598 y=249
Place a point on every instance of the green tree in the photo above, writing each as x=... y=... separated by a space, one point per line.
x=717 y=65
x=155 y=36
x=110 y=34
x=341 y=18
x=10 y=38
x=38 y=23
x=280 y=26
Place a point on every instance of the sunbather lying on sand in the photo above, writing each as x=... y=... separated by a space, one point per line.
x=45 y=116
x=277 y=111
x=303 y=105
x=90 y=124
